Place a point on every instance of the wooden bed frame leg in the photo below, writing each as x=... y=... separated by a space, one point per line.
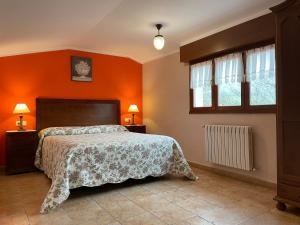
x=281 y=206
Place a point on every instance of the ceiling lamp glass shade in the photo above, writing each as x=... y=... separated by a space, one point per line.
x=158 y=40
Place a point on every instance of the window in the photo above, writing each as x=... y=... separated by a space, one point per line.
x=228 y=78
x=238 y=82
x=201 y=77
x=260 y=74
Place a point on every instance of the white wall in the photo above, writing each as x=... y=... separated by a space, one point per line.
x=166 y=111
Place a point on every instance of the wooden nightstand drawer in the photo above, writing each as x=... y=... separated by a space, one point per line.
x=20 y=151
x=136 y=128
x=17 y=141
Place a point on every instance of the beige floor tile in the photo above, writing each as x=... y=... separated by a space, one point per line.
x=169 y=200
x=177 y=195
x=133 y=192
x=93 y=223
x=80 y=203
x=197 y=206
x=34 y=208
x=158 y=187
x=173 y=212
x=142 y=219
x=108 y=200
x=54 y=218
x=11 y=209
x=233 y=215
x=20 y=219
x=91 y=216
x=223 y=216
x=17 y=218
x=123 y=209
x=6 y=220
x=190 y=221
x=151 y=202
x=197 y=221
x=273 y=219
x=179 y=181
x=219 y=200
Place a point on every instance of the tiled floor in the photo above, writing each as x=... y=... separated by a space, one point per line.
x=212 y=199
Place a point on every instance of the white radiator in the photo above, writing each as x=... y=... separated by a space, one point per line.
x=229 y=146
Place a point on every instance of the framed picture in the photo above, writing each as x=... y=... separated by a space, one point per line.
x=81 y=69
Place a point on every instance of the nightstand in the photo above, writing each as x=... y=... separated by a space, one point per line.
x=20 y=151
x=136 y=128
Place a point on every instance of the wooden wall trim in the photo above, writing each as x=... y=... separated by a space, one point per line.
x=253 y=32
x=237 y=176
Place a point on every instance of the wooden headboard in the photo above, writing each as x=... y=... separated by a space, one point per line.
x=72 y=112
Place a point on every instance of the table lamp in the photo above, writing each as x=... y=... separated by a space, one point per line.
x=20 y=109
x=133 y=109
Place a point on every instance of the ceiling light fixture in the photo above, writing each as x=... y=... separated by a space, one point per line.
x=158 y=40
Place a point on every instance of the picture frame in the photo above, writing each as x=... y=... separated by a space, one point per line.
x=81 y=69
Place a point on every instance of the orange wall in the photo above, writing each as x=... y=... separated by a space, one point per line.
x=25 y=77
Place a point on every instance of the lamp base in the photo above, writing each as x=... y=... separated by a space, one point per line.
x=132 y=121
x=21 y=126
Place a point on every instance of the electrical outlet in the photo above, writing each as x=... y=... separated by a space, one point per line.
x=127 y=120
x=18 y=123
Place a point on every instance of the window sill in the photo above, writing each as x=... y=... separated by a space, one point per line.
x=253 y=109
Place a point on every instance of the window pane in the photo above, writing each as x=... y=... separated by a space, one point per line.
x=229 y=74
x=201 y=75
x=263 y=92
x=261 y=75
x=202 y=96
x=229 y=94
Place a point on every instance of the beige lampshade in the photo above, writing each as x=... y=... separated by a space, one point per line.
x=133 y=108
x=21 y=108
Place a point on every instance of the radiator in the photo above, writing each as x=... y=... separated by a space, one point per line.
x=229 y=146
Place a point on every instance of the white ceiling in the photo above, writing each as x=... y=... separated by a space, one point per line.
x=117 y=27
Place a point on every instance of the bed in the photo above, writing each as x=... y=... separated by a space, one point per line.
x=83 y=144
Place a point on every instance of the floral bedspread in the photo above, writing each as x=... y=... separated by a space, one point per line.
x=91 y=156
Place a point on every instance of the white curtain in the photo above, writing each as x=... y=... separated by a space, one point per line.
x=261 y=63
x=229 y=69
x=201 y=74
